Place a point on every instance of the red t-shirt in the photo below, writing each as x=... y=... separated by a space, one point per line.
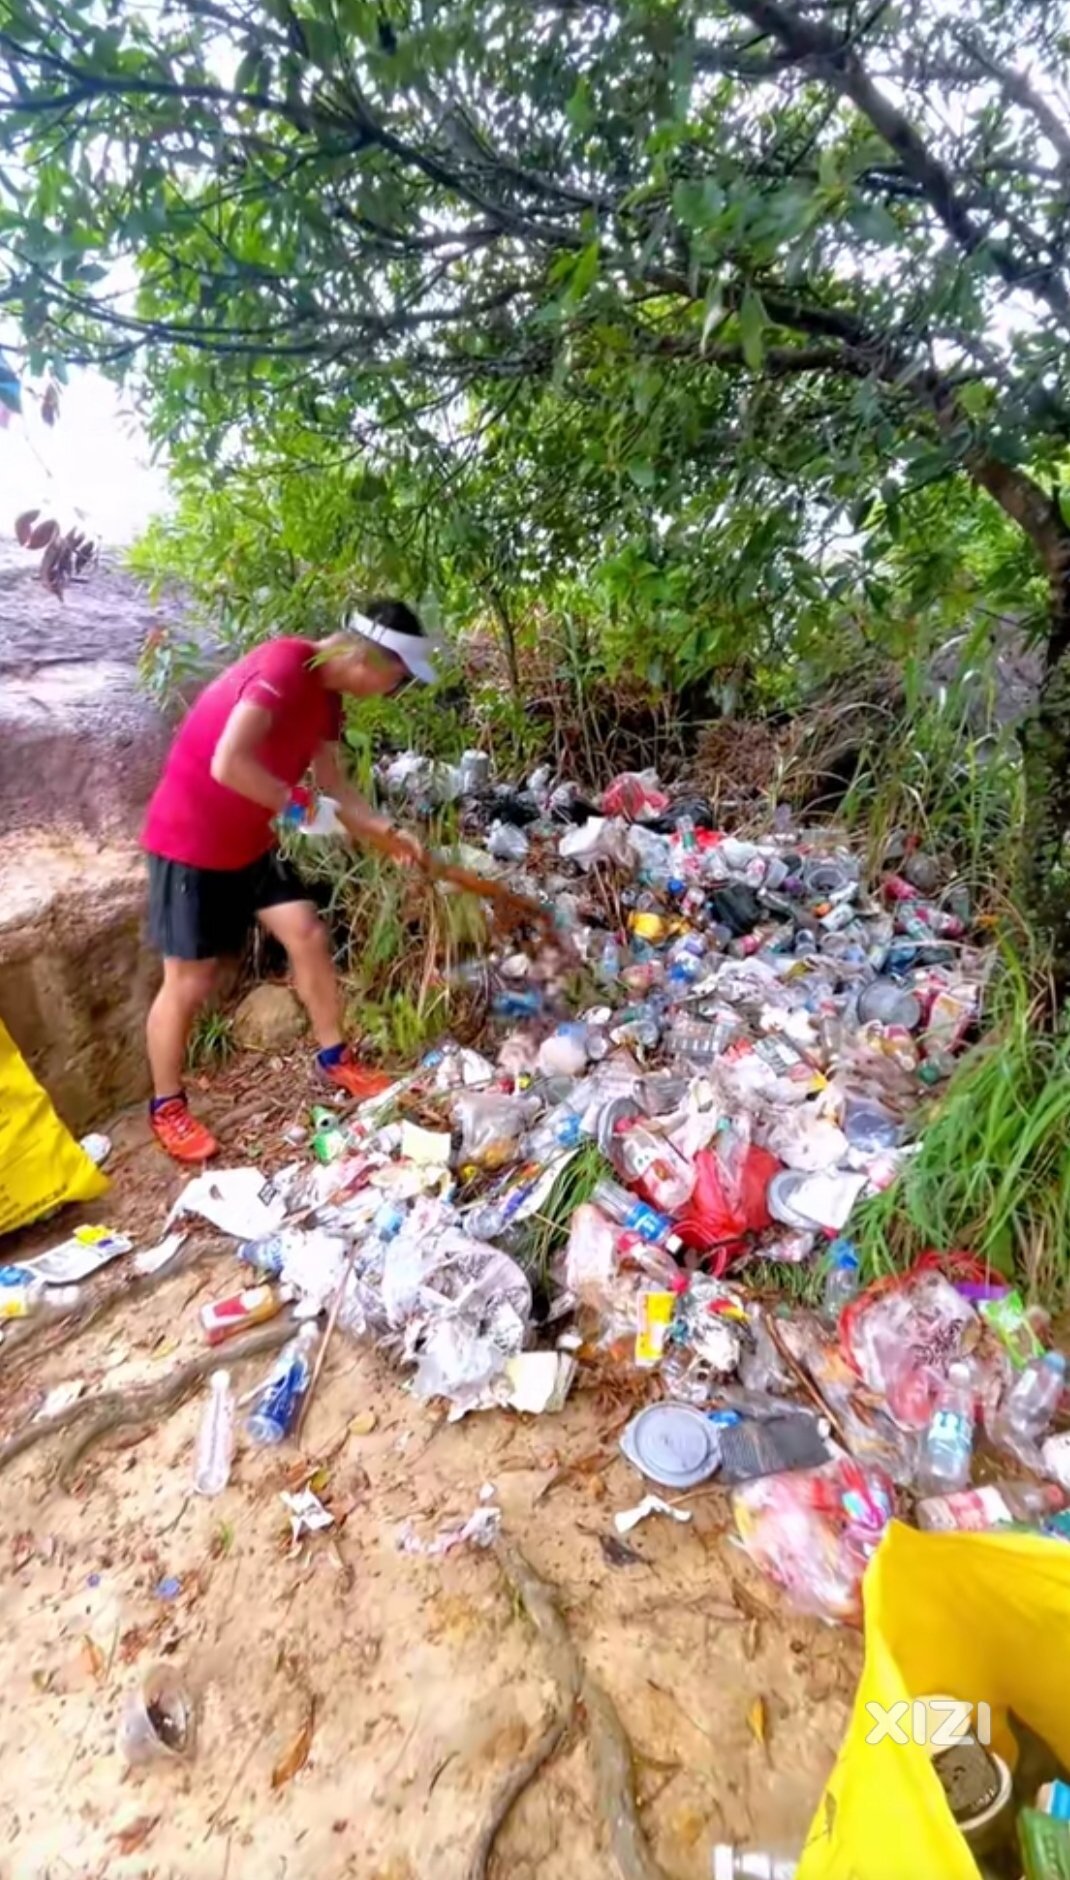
x=193 y=819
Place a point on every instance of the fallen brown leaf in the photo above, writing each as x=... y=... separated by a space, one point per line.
x=363 y=1424
x=758 y=1723
x=297 y=1755
x=135 y=1834
x=92 y=1656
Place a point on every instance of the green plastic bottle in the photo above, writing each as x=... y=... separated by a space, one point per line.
x=1045 y=1846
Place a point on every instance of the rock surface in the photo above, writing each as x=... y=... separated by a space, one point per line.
x=75 y=976
x=269 y=1018
x=81 y=745
x=81 y=742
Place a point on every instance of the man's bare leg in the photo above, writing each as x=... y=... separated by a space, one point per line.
x=302 y=933
x=187 y=985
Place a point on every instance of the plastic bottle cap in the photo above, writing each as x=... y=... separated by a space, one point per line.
x=219 y=1379
x=1055 y=1360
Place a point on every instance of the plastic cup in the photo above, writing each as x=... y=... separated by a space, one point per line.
x=157 y=1724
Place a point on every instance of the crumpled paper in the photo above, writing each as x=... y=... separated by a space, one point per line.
x=481 y=1529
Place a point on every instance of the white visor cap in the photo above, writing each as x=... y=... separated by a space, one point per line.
x=416 y=653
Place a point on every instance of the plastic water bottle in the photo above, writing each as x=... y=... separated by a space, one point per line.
x=631 y=1213
x=841 y=1279
x=947 y=1446
x=265 y=1255
x=215 y=1447
x=655 y=1167
x=686 y=855
x=561 y=1129
x=1034 y=1397
x=283 y=1389
x=610 y=960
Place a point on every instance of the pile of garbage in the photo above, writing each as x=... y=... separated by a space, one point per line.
x=712 y=1062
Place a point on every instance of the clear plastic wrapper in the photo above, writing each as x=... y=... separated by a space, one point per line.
x=591 y=1260
x=903 y=1337
x=859 y=1416
x=491 y=1125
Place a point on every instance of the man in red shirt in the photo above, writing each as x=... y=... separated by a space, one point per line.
x=209 y=831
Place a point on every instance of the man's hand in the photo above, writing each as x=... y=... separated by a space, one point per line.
x=405 y=848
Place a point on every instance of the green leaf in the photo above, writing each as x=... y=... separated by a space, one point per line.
x=583 y=273
x=874 y=223
x=752 y=325
x=580 y=110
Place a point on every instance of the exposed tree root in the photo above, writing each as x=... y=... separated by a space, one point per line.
x=112 y=1410
x=610 y=1749
x=511 y=1790
x=37 y=1338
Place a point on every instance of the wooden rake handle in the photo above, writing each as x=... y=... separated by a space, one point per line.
x=518 y=907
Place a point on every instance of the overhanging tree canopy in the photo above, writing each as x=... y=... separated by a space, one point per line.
x=837 y=234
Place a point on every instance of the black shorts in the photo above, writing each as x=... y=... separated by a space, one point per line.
x=202 y=913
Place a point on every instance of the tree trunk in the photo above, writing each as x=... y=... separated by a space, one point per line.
x=1046 y=752
x=505 y=621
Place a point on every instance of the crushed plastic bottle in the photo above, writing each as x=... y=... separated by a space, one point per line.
x=286 y=1383
x=736 y=1863
x=265 y=1255
x=637 y=1024
x=24 y=1299
x=652 y=1165
x=562 y=1129
x=610 y=960
x=215 y=1447
x=1031 y=1403
x=947 y=1446
x=841 y=1279
x=996 y=1504
x=631 y=1213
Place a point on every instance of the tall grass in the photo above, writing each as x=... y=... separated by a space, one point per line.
x=396 y=941
x=945 y=770
x=992 y=1173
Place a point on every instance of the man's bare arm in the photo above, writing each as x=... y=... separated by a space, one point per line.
x=235 y=763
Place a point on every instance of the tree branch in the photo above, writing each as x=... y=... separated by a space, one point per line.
x=832 y=58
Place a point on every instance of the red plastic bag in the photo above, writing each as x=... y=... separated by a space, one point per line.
x=728 y=1200
x=634 y=794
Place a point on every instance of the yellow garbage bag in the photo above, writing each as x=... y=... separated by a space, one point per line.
x=980 y=1617
x=41 y=1165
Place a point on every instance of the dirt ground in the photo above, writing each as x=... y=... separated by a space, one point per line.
x=423 y=1680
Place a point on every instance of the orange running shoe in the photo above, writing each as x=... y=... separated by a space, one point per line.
x=354 y=1078
x=177 y=1130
